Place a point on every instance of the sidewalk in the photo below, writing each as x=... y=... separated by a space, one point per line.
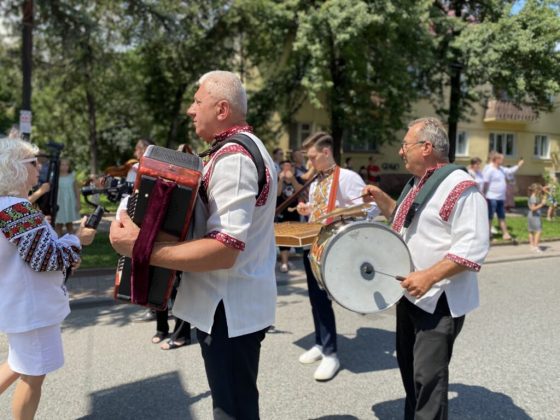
x=95 y=286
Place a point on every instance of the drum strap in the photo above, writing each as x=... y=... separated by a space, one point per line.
x=427 y=190
x=334 y=190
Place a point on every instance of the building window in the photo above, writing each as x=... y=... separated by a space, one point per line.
x=461 y=144
x=304 y=131
x=541 y=149
x=357 y=141
x=300 y=131
x=503 y=143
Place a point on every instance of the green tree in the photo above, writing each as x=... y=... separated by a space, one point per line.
x=355 y=59
x=481 y=49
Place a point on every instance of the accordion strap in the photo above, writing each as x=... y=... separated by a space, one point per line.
x=158 y=203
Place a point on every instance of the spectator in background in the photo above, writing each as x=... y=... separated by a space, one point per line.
x=68 y=199
x=476 y=173
x=550 y=190
x=300 y=168
x=363 y=173
x=139 y=150
x=348 y=164
x=536 y=202
x=277 y=157
x=373 y=172
x=288 y=185
x=495 y=186
x=44 y=188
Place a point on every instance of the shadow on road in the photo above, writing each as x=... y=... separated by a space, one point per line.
x=158 y=397
x=466 y=402
x=370 y=350
x=119 y=315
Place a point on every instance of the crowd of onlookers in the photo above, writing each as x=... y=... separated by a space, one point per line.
x=498 y=185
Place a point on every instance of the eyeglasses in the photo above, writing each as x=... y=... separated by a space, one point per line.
x=32 y=161
x=406 y=146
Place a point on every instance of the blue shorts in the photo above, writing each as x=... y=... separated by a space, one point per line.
x=496 y=206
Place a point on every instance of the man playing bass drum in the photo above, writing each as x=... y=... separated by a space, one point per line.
x=447 y=236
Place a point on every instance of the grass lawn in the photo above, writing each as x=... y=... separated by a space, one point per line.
x=99 y=254
x=517 y=226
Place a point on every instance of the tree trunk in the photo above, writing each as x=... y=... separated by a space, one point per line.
x=27 y=56
x=336 y=111
x=454 y=105
x=92 y=129
x=174 y=126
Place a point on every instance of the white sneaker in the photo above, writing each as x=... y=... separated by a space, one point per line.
x=327 y=368
x=284 y=268
x=312 y=355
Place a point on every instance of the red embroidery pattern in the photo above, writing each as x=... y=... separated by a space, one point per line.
x=24 y=227
x=19 y=219
x=464 y=262
x=261 y=201
x=227 y=240
x=230 y=149
x=453 y=197
x=231 y=131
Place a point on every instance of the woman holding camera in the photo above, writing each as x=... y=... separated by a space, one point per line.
x=34 y=300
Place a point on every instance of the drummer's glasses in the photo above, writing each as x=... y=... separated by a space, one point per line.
x=407 y=146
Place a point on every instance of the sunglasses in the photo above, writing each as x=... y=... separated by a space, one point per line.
x=32 y=161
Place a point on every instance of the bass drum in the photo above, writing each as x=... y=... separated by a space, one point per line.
x=356 y=263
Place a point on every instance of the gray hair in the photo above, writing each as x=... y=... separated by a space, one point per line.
x=434 y=131
x=226 y=85
x=13 y=173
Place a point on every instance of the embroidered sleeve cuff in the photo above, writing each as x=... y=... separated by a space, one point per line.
x=227 y=240
x=464 y=262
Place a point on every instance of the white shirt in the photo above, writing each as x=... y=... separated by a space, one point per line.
x=350 y=186
x=478 y=177
x=453 y=224
x=30 y=299
x=496 y=180
x=131 y=174
x=233 y=216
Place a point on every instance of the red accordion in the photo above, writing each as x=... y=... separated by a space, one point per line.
x=170 y=167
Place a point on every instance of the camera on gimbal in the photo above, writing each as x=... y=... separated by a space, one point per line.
x=113 y=188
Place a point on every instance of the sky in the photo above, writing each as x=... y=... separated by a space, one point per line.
x=517 y=6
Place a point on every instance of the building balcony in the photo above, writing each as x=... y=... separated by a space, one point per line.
x=507 y=112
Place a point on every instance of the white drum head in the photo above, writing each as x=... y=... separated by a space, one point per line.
x=354 y=262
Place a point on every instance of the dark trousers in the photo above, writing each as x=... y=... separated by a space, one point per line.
x=321 y=308
x=232 y=366
x=424 y=348
x=181 y=331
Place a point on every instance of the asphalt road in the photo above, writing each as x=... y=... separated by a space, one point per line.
x=505 y=365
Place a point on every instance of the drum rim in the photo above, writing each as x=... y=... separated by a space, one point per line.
x=348 y=227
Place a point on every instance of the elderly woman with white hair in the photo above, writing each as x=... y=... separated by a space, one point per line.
x=34 y=300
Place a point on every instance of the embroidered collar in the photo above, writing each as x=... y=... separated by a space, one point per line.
x=230 y=132
x=429 y=173
x=220 y=138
